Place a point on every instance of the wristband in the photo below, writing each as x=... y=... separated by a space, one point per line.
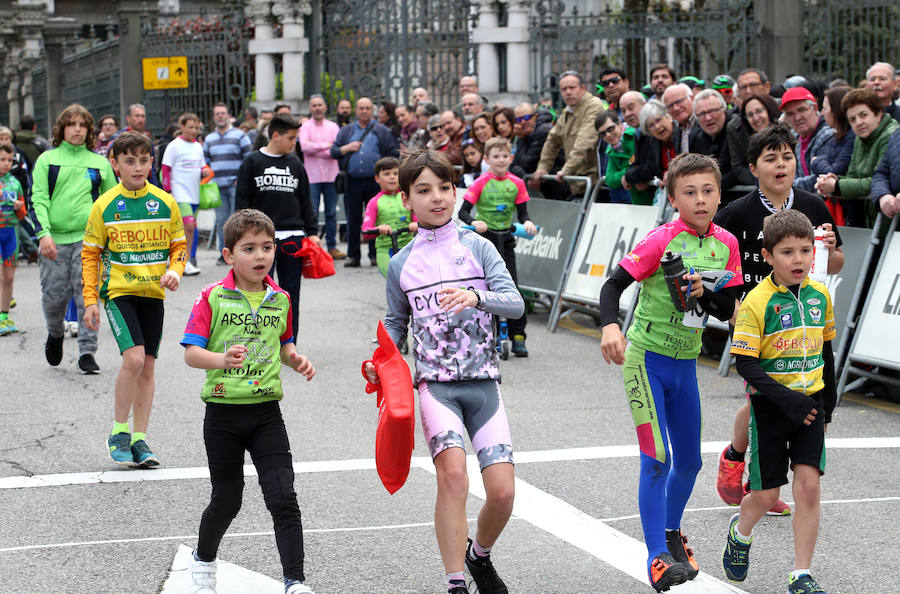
x=477 y=296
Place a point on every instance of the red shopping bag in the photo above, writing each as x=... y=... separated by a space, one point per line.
x=394 y=440
x=317 y=263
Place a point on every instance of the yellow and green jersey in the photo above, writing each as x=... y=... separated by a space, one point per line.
x=131 y=240
x=786 y=332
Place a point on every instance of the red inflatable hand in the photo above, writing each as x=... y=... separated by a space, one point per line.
x=396 y=412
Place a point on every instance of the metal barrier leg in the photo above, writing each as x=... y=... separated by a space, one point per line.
x=725 y=360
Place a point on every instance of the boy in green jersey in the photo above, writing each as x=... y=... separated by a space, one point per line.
x=386 y=214
x=240 y=331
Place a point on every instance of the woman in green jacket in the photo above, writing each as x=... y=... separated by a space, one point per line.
x=872 y=128
x=617 y=141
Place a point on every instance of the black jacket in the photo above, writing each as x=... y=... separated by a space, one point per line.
x=647 y=161
x=279 y=187
x=528 y=149
x=703 y=143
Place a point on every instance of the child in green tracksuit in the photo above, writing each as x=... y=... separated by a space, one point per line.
x=385 y=213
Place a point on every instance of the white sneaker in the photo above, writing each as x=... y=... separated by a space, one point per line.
x=190 y=269
x=298 y=588
x=72 y=328
x=203 y=576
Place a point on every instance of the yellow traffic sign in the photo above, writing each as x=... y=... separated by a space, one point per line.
x=166 y=72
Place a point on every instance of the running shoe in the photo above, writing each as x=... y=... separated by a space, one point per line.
x=666 y=572
x=203 y=576
x=805 y=584
x=120 y=449
x=728 y=481
x=779 y=509
x=142 y=455
x=483 y=573
x=190 y=269
x=72 y=328
x=5 y=327
x=458 y=590
x=12 y=302
x=518 y=346
x=296 y=587
x=87 y=365
x=676 y=542
x=736 y=556
x=11 y=326
x=53 y=350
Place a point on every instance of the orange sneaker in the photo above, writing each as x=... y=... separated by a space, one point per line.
x=728 y=480
x=676 y=542
x=666 y=572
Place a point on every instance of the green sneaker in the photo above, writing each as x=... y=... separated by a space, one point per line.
x=11 y=326
x=804 y=584
x=120 y=449
x=142 y=455
x=5 y=327
x=736 y=556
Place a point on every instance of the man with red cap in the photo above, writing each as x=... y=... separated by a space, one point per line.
x=802 y=113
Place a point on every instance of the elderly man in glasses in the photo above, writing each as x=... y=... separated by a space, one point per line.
x=574 y=132
x=531 y=128
x=709 y=137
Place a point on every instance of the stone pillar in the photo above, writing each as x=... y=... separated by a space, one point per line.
x=131 y=81
x=295 y=45
x=485 y=35
x=29 y=17
x=259 y=11
x=780 y=43
x=518 y=58
x=56 y=31
x=12 y=95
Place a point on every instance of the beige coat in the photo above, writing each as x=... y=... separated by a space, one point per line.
x=574 y=131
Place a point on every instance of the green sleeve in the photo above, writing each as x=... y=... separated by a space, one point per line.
x=615 y=170
x=40 y=194
x=108 y=179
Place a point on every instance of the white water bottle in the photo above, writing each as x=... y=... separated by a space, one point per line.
x=819 y=269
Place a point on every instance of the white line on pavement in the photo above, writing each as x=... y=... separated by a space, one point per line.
x=558 y=455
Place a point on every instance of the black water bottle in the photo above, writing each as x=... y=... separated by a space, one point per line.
x=673 y=271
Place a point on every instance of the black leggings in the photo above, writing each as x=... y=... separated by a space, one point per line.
x=228 y=431
x=506 y=245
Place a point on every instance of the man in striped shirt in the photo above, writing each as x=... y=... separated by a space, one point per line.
x=224 y=149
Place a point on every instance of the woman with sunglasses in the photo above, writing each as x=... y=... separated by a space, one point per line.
x=615 y=151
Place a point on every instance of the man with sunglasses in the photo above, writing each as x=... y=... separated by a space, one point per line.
x=574 y=132
x=531 y=128
x=615 y=84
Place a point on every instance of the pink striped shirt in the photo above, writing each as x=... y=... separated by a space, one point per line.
x=316 y=139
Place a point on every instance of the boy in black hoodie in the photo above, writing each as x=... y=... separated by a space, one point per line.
x=274 y=181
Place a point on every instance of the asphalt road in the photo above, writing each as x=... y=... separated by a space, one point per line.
x=80 y=525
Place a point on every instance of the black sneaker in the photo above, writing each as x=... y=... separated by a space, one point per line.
x=53 y=350
x=221 y=262
x=351 y=263
x=482 y=571
x=666 y=572
x=457 y=587
x=87 y=365
x=676 y=542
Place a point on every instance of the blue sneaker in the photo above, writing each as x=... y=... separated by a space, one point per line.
x=736 y=556
x=120 y=449
x=142 y=455
x=804 y=584
x=296 y=587
x=5 y=327
x=11 y=326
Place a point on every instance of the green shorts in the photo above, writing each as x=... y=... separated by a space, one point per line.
x=187 y=209
x=136 y=321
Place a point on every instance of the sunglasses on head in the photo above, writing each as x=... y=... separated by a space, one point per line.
x=524 y=118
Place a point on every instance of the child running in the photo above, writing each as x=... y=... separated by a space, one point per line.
x=451 y=282
x=12 y=209
x=134 y=232
x=386 y=213
x=660 y=362
x=182 y=168
x=500 y=196
x=237 y=326
x=782 y=341
x=772 y=161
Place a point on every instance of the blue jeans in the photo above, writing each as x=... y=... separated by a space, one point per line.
x=326 y=189
x=224 y=211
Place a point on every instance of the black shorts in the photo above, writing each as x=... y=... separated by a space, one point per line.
x=772 y=450
x=136 y=321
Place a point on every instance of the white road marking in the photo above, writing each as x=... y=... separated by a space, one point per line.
x=566 y=522
x=558 y=455
x=230 y=578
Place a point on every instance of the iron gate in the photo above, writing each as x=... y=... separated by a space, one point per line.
x=701 y=41
x=91 y=78
x=383 y=49
x=219 y=66
x=844 y=37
